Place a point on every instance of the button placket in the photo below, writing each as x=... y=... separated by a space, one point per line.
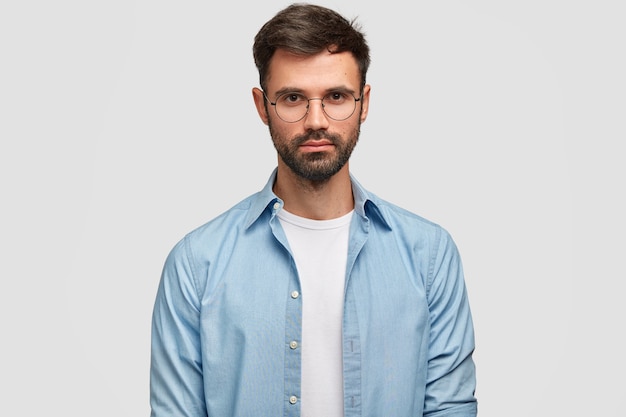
x=293 y=358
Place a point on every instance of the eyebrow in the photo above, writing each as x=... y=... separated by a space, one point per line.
x=341 y=89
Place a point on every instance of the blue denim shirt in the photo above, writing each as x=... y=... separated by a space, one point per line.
x=229 y=304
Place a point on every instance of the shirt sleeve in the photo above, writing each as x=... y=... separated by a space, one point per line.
x=176 y=381
x=451 y=379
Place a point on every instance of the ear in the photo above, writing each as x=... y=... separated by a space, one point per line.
x=259 y=102
x=365 y=102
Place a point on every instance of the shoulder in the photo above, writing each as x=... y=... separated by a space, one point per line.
x=210 y=235
x=192 y=256
x=404 y=222
x=215 y=231
x=239 y=217
x=396 y=219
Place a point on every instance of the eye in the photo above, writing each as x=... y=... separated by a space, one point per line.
x=336 y=97
x=292 y=99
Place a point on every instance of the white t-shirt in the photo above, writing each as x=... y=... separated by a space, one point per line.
x=320 y=249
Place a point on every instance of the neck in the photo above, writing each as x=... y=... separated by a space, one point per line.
x=317 y=200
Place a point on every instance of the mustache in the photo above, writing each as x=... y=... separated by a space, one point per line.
x=316 y=135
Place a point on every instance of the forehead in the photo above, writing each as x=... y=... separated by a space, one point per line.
x=313 y=73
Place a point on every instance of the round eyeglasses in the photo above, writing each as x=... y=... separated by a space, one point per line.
x=291 y=107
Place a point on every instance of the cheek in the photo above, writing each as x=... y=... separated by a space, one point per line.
x=283 y=131
x=277 y=131
x=351 y=128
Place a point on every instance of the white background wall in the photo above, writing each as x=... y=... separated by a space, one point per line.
x=125 y=124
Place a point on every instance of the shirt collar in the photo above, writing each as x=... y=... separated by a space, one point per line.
x=366 y=204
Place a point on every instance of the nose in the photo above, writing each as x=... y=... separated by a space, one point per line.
x=315 y=118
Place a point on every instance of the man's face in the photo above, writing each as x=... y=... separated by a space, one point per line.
x=316 y=147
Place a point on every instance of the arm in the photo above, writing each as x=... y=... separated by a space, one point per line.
x=176 y=382
x=451 y=380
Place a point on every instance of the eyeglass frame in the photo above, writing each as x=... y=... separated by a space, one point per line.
x=309 y=103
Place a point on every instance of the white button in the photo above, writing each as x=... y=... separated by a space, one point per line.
x=293 y=399
x=293 y=344
x=295 y=294
x=276 y=205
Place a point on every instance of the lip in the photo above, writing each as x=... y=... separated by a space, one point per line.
x=317 y=146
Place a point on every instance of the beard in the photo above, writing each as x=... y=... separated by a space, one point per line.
x=315 y=166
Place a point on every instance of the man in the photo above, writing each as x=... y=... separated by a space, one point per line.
x=313 y=297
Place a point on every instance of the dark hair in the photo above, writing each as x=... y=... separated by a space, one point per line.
x=306 y=29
